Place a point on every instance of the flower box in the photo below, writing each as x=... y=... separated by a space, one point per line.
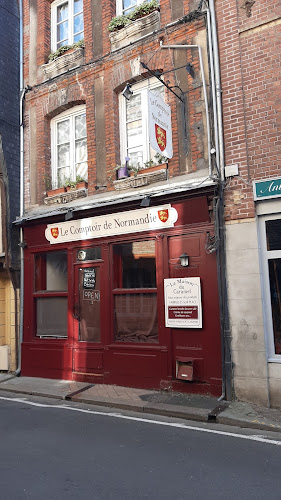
x=55 y=192
x=132 y=32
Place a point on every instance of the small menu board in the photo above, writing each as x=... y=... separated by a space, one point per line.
x=89 y=278
x=183 y=308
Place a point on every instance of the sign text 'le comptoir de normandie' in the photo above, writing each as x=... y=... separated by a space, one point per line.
x=145 y=219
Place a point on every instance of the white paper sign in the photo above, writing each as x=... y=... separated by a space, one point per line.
x=160 y=124
x=183 y=308
x=133 y=221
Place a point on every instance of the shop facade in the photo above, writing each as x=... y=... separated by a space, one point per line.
x=95 y=298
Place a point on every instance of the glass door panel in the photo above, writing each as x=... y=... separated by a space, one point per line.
x=89 y=304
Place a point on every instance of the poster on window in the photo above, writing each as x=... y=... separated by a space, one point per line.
x=159 y=125
x=183 y=308
x=89 y=278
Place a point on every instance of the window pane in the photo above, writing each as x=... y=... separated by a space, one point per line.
x=78 y=23
x=89 y=254
x=63 y=174
x=63 y=131
x=128 y=5
x=133 y=108
x=51 y=316
x=62 y=12
x=273 y=234
x=51 y=272
x=62 y=34
x=78 y=6
x=275 y=291
x=136 y=317
x=80 y=126
x=134 y=265
x=63 y=156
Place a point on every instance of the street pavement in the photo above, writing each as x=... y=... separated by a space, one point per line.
x=184 y=406
x=63 y=450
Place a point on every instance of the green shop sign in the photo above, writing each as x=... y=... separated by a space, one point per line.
x=270 y=188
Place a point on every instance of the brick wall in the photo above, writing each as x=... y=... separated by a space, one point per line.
x=250 y=58
x=48 y=99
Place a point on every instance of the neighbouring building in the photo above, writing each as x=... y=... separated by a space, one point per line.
x=120 y=273
x=249 y=35
x=9 y=182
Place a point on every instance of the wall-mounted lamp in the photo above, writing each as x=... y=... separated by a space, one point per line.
x=190 y=70
x=145 y=202
x=127 y=92
x=184 y=259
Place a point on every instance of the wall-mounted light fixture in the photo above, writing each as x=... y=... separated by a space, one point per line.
x=184 y=259
x=127 y=92
x=145 y=202
x=68 y=215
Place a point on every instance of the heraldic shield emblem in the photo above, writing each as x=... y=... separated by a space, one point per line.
x=54 y=232
x=161 y=137
x=163 y=215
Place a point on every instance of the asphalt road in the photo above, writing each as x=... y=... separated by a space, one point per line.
x=53 y=453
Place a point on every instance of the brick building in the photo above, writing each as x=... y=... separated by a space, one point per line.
x=249 y=45
x=9 y=182
x=100 y=259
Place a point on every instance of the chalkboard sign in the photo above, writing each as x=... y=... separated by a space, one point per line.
x=89 y=278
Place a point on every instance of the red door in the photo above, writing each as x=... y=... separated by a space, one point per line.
x=197 y=352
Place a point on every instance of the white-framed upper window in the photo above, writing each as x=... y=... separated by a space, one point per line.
x=69 y=146
x=126 y=6
x=133 y=114
x=67 y=23
x=270 y=236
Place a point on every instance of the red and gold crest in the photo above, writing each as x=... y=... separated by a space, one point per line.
x=161 y=137
x=163 y=215
x=54 y=232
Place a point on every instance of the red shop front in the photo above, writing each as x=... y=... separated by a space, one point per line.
x=94 y=302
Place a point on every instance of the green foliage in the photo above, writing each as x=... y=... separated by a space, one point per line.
x=160 y=158
x=118 y=22
x=65 y=48
x=142 y=10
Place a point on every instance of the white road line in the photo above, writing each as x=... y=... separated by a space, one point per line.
x=257 y=438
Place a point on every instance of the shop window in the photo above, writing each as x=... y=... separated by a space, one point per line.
x=67 y=23
x=135 y=292
x=84 y=254
x=69 y=147
x=134 y=135
x=50 y=294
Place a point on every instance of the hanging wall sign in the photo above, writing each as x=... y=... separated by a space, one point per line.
x=159 y=124
x=133 y=221
x=183 y=308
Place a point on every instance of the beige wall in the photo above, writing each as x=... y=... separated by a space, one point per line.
x=250 y=367
x=7 y=320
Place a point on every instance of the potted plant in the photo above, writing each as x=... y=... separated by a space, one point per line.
x=141 y=10
x=56 y=191
x=65 y=48
x=81 y=183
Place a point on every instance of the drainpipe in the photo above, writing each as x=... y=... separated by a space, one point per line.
x=204 y=91
x=21 y=244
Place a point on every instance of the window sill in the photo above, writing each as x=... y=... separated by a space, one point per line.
x=69 y=60
x=66 y=197
x=131 y=33
x=141 y=180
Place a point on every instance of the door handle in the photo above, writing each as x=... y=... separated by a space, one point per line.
x=76 y=311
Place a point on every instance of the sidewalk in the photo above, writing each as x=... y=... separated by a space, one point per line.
x=187 y=406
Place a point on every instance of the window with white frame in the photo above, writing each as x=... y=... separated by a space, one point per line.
x=134 y=136
x=67 y=23
x=124 y=7
x=271 y=252
x=69 y=146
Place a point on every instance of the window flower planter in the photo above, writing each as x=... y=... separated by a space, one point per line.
x=69 y=60
x=143 y=178
x=55 y=192
x=129 y=34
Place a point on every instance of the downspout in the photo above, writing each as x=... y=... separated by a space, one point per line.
x=21 y=244
x=221 y=253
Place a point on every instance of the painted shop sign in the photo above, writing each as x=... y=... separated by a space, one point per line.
x=133 y=221
x=270 y=188
x=159 y=124
x=89 y=278
x=183 y=308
